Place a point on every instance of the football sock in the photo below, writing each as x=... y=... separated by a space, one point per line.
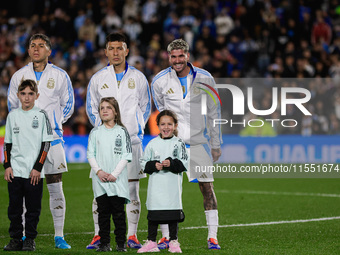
x=165 y=230
x=57 y=206
x=212 y=222
x=133 y=208
x=24 y=210
x=95 y=217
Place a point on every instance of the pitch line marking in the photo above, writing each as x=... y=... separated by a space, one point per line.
x=270 y=223
x=279 y=193
x=225 y=226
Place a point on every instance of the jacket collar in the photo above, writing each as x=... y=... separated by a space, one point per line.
x=49 y=64
x=126 y=67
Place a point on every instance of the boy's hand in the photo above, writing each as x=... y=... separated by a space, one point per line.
x=111 y=178
x=166 y=163
x=35 y=177
x=9 y=174
x=102 y=176
x=159 y=166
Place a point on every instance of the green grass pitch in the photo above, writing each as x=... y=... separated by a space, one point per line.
x=275 y=204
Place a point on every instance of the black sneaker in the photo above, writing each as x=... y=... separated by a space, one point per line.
x=29 y=245
x=14 y=245
x=121 y=247
x=104 y=247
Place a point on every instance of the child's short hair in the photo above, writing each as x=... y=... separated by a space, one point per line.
x=170 y=114
x=28 y=83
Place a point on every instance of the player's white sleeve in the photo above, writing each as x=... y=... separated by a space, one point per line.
x=157 y=95
x=145 y=100
x=92 y=104
x=67 y=98
x=214 y=112
x=12 y=99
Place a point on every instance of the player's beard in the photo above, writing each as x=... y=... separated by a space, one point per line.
x=181 y=70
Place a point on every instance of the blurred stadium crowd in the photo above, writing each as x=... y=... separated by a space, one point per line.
x=229 y=38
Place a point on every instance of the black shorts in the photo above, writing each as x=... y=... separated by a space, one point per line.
x=164 y=216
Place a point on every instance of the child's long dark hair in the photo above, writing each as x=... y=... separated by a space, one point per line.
x=112 y=101
x=170 y=114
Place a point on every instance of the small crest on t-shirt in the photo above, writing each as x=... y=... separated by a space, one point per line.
x=35 y=122
x=175 y=152
x=118 y=141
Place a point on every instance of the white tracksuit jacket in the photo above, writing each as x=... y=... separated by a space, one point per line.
x=193 y=127
x=56 y=94
x=133 y=96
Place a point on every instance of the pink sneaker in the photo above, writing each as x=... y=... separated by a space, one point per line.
x=174 y=247
x=149 y=246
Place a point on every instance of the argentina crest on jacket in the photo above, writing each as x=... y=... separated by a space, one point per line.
x=197 y=91
x=50 y=83
x=131 y=83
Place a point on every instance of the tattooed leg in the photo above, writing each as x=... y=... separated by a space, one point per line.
x=53 y=178
x=210 y=206
x=209 y=198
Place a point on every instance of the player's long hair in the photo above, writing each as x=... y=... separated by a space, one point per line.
x=170 y=114
x=112 y=101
